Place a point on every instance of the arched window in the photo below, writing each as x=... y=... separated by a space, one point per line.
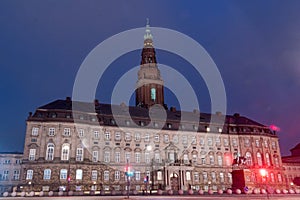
x=268 y=162
x=259 y=159
x=65 y=151
x=248 y=159
x=50 y=151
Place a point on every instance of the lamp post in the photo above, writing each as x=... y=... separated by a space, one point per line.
x=263 y=174
x=129 y=174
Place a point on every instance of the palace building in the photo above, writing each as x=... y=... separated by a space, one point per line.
x=95 y=152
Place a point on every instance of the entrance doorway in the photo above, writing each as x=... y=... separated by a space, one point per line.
x=174 y=180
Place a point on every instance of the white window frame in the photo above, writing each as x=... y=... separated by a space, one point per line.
x=35 y=131
x=63 y=174
x=79 y=174
x=51 y=131
x=106 y=175
x=47 y=174
x=67 y=132
x=65 y=151
x=29 y=174
x=95 y=156
x=117 y=175
x=32 y=153
x=94 y=175
x=50 y=151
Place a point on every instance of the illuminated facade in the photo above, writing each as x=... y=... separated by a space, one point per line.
x=69 y=149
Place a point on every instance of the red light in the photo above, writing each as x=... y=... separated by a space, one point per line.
x=274 y=128
x=263 y=172
x=69 y=178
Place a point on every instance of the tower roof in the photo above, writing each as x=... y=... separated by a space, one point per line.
x=148 y=35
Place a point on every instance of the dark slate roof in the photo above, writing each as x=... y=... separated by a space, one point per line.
x=140 y=112
x=296 y=147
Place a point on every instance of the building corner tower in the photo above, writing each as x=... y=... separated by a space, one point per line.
x=149 y=87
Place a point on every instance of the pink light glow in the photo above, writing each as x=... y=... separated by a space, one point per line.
x=274 y=128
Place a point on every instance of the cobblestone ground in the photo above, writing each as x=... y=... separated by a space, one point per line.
x=203 y=197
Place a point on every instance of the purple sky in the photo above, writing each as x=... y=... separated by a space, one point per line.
x=255 y=44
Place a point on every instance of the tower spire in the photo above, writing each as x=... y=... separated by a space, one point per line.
x=149 y=89
x=148 y=36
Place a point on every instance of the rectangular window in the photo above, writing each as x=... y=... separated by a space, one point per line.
x=127 y=136
x=137 y=137
x=78 y=174
x=51 y=131
x=81 y=132
x=220 y=160
x=117 y=157
x=117 y=175
x=196 y=176
x=184 y=139
x=247 y=142
x=194 y=140
x=157 y=157
x=209 y=141
x=106 y=175
x=29 y=174
x=95 y=156
x=117 y=136
x=279 y=177
x=222 y=177
x=188 y=175
x=79 y=154
x=166 y=138
x=16 y=175
x=94 y=175
x=147 y=137
x=204 y=174
x=137 y=157
x=67 y=131
x=213 y=176
x=201 y=141
x=159 y=175
x=127 y=156
x=147 y=157
x=137 y=175
x=96 y=134
x=266 y=143
x=35 y=131
x=175 y=139
x=257 y=143
x=107 y=135
x=234 y=142
x=63 y=174
x=211 y=159
x=273 y=145
x=226 y=142
x=185 y=158
x=107 y=156
x=32 y=154
x=156 y=138
x=47 y=174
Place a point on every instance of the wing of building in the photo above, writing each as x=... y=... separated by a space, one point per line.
x=68 y=147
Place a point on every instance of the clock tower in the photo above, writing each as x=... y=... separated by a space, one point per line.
x=150 y=86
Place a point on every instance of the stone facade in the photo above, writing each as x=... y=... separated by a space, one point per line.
x=291 y=166
x=70 y=147
x=10 y=170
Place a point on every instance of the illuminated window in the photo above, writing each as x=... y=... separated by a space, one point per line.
x=257 y=143
x=188 y=175
x=159 y=175
x=248 y=159
x=63 y=174
x=156 y=138
x=29 y=174
x=259 y=159
x=220 y=160
x=222 y=177
x=65 y=152
x=117 y=175
x=107 y=135
x=94 y=175
x=35 y=131
x=211 y=159
x=268 y=162
x=79 y=154
x=137 y=175
x=137 y=157
x=147 y=137
x=153 y=94
x=117 y=136
x=78 y=174
x=279 y=177
x=32 y=154
x=50 y=151
x=47 y=174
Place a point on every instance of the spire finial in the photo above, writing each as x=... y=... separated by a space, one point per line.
x=148 y=32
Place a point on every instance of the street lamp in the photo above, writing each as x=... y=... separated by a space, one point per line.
x=129 y=174
x=263 y=174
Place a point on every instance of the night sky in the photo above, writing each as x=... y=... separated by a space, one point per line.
x=255 y=45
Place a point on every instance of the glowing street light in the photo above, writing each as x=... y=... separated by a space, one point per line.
x=263 y=172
